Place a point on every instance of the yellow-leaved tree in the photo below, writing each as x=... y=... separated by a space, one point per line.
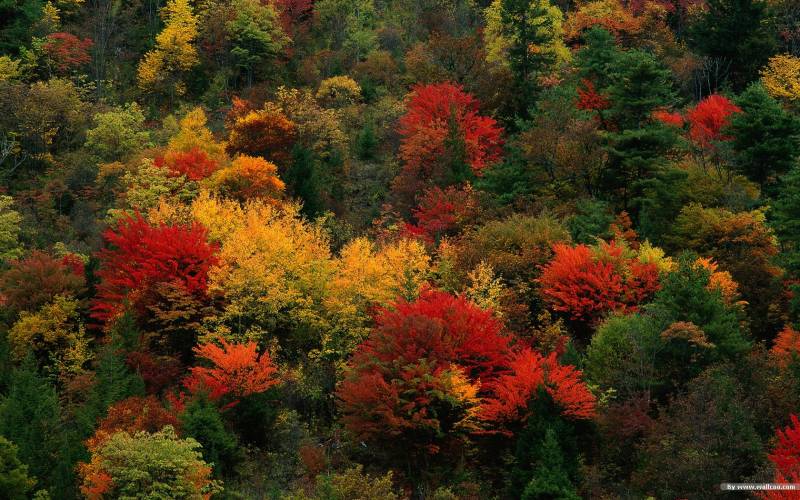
x=781 y=78
x=161 y=69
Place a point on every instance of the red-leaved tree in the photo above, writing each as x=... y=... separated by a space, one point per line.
x=195 y=164
x=587 y=283
x=441 y=211
x=442 y=133
x=236 y=370
x=413 y=385
x=139 y=256
x=529 y=372
x=786 y=459
x=132 y=415
x=708 y=119
x=67 y=51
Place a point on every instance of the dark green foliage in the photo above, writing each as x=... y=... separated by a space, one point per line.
x=30 y=417
x=302 y=180
x=684 y=296
x=114 y=381
x=592 y=220
x=735 y=34
x=15 y=483
x=692 y=447
x=784 y=218
x=766 y=138
x=202 y=421
x=17 y=20
x=546 y=454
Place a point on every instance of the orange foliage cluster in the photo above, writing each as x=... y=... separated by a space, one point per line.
x=237 y=370
x=786 y=349
x=266 y=132
x=530 y=371
x=587 y=283
x=195 y=164
x=250 y=177
x=132 y=415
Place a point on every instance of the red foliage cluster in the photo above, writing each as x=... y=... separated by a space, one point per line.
x=708 y=119
x=140 y=255
x=440 y=211
x=67 y=51
x=157 y=372
x=530 y=371
x=238 y=370
x=669 y=118
x=590 y=99
x=195 y=164
x=786 y=459
x=404 y=370
x=430 y=364
x=587 y=283
x=31 y=282
x=293 y=12
x=132 y=415
x=433 y=112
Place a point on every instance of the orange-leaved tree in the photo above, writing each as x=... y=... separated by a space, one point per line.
x=586 y=282
x=237 y=370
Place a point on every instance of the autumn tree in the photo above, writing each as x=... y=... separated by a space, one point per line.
x=249 y=177
x=31 y=282
x=780 y=79
x=237 y=370
x=174 y=53
x=587 y=283
x=413 y=385
x=708 y=119
x=132 y=415
x=444 y=139
x=785 y=456
x=118 y=133
x=144 y=464
x=263 y=132
x=66 y=51
x=742 y=244
x=140 y=256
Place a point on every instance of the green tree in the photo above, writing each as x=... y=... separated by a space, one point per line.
x=146 y=466
x=15 y=484
x=550 y=479
x=736 y=37
x=17 y=25
x=10 y=219
x=531 y=30
x=256 y=37
x=202 y=421
x=766 y=139
x=30 y=416
x=118 y=133
x=785 y=220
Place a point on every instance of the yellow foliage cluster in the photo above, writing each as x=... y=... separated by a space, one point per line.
x=781 y=78
x=174 y=51
x=276 y=269
x=338 y=91
x=52 y=332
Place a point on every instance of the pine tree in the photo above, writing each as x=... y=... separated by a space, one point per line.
x=202 y=421
x=30 y=417
x=766 y=138
x=550 y=479
x=735 y=35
